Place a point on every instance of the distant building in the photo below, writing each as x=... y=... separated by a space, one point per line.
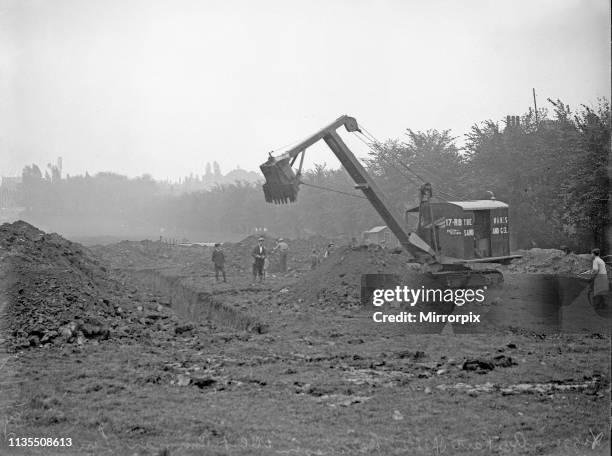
x=380 y=235
x=10 y=182
x=549 y=124
x=9 y=192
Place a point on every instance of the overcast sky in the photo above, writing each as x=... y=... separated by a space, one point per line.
x=163 y=86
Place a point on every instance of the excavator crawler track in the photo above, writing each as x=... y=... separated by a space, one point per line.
x=469 y=278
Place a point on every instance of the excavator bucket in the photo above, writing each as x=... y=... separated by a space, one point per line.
x=282 y=184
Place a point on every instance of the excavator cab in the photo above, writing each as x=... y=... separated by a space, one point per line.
x=282 y=183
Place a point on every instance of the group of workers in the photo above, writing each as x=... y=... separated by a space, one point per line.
x=260 y=259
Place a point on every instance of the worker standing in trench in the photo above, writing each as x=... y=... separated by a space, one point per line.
x=218 y=259
x=259 y=256
x=314 y=259
x=283 y=249
x=600 y=279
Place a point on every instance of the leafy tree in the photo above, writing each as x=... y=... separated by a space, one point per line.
x=431 y=156
x=543 y=169
x=587 y=190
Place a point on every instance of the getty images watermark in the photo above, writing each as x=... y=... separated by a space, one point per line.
x=546 y=304
x=404 y=295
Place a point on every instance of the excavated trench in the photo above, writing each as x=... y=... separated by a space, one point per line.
x=532 y=302
x=551 y=303
x=195 y=305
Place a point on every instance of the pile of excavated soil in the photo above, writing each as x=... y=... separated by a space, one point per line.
x=196 y=259
x=337 y=280
x=57 y=291
x=152 y=254
x=298 y=258
x=191 y=260
x=549 y=261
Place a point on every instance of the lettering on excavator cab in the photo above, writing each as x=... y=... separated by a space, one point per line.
x=282 y=184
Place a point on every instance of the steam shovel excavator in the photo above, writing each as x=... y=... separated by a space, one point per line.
x=282 y=186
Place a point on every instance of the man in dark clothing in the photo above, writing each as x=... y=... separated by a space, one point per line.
x=259 y=256
x=218 y=259
x=314 y=259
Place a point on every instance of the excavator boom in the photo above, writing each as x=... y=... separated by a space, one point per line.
x=282 y=183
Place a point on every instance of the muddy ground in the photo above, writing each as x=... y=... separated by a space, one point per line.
x=166 y=361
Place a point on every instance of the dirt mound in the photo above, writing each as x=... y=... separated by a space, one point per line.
x=32 y=245
x=149 y=254
x=196 y=259
x=549 y=261
x=337 y=280
x=299 y=254
x=57 y=291
x=185 y=259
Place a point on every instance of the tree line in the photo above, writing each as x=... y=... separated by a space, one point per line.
x=551 y=167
